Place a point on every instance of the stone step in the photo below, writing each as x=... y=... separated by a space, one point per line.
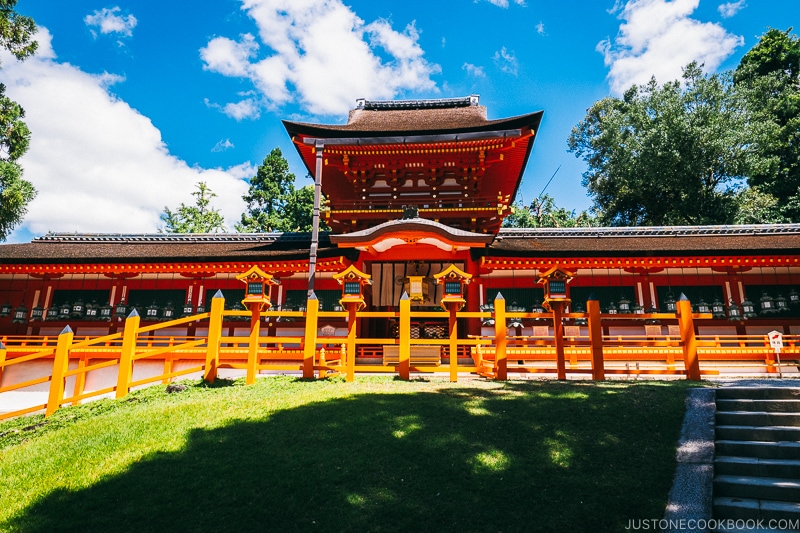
x=748 y=418
x=760 y=449
x=746 y=508
x=759 y=405
x=753 y=466
x=758 y=393
x=757 y=488
x=771 y=433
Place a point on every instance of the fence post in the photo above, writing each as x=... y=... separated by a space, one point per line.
x=252 y=345
x=500 y=338
x=310 y=341
x=60 y=365
x=3 y=352
x=596 y=338
x=452 y=325
x=404 y=350
x=129 y=335
x=214 y=336
x=688 y=339
x=350 y=352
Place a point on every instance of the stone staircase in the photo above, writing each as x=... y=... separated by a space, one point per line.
x=757 y=455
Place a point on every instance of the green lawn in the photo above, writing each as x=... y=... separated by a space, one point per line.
x=375 y=455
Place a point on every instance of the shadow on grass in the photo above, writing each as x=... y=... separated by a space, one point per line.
x=526 y=457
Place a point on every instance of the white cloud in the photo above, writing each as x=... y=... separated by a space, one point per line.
x=506 y=61
x=320 y=54
x=108 y=21
x=503 y=3
x=222 y=145
x=540 y=28
x=474 y=70
x=730 y=9
x=658 y=38
x=98 y=164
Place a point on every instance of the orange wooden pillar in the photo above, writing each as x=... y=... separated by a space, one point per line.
x=3 y=353
x=352 y=331
x=60 y=366
x=404 y=366
x=558 y=337
x=596 y=339
x=214 y=336
x=500 y=339
x=128 y=350
x=688 y=339
x=310 y=341
x=452 y=307
x=252 y=345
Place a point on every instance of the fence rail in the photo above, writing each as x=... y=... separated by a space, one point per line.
x=67 y=361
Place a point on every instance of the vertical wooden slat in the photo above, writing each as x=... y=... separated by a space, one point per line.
x=125 y=372
x=214 y=336
x=404 y=365
x=500 y=338
x=60 y=364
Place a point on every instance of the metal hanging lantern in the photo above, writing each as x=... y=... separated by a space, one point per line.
x=5 y=309
x=717 y=308
x=92 y=310
x=670 y=304
x=52 y=312
x=767 y=304
x=168 y=313
x=37 y=313
x=781 y=304
x=151 y=311
x=20 y=315
x=748 y=309
x=794 y=297
x=188 y=310
x=650 y=311
x=581 y=321
x=78 y=309
x=624 y=306
x=488 y=308
x=121 y=309
x=64 y=310
x=105 y=312
x=612 y=309
x=734 y=313
x=703 y=307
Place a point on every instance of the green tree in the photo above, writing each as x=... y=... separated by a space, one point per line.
x=16 y=36
x=543 y=213
x=667 y=155
x=199 y=218
x=769 y=78
x=273 y=204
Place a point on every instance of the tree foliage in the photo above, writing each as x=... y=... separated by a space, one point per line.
x=16 y=36
x=768 y=77
x=543 y=213
x=667 y=155
x=199 y=218
x=273 y=204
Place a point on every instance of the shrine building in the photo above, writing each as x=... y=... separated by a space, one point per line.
x=415 y=194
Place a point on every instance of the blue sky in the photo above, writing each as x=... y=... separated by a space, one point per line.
x=132 y=103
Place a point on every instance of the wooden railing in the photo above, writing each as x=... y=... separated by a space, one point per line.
x=493 y=356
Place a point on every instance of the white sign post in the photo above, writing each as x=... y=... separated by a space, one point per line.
x=776 y=342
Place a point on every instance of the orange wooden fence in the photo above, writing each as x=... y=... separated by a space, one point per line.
x=494 y=356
